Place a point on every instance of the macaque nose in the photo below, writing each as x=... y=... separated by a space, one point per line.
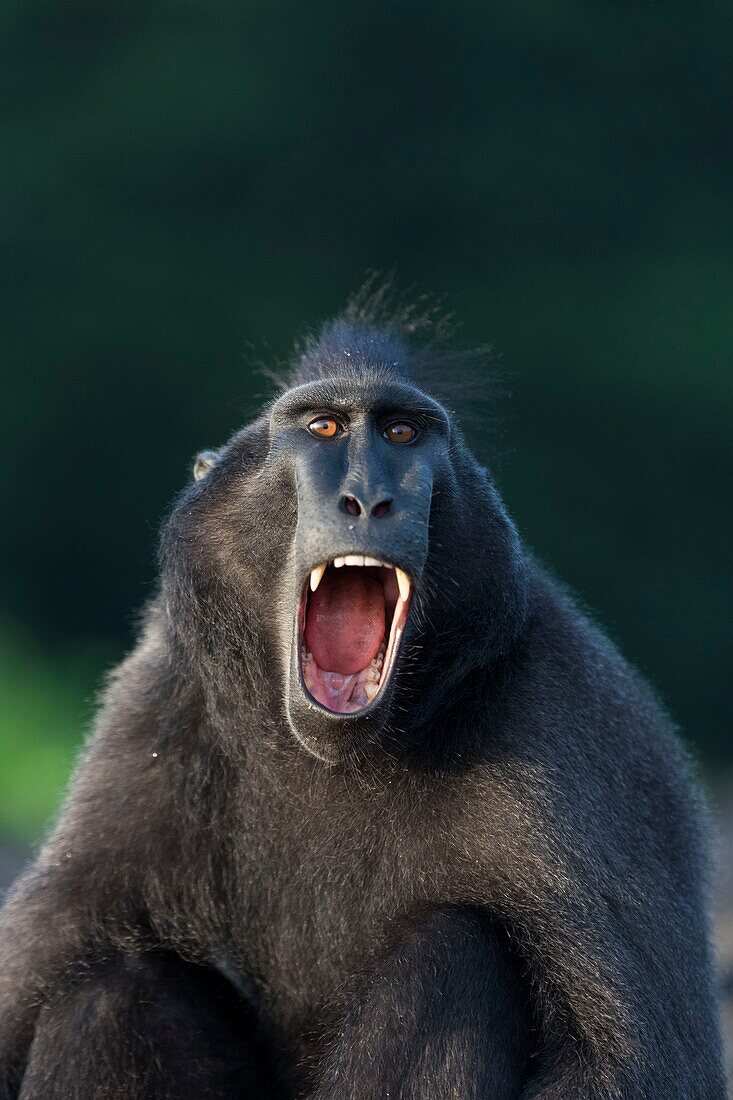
x=354 y=507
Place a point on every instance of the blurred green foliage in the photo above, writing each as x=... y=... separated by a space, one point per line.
x=179 y=179
x=46 y=704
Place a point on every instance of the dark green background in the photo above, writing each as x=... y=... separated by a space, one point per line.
x=179 y=179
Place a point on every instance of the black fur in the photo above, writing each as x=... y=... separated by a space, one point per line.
x=493 y=886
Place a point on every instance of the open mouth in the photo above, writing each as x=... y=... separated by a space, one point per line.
x=350 y=624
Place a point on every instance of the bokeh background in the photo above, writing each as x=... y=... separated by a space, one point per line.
x=185 y=186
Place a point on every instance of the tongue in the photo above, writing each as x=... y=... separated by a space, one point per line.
x=345 y=624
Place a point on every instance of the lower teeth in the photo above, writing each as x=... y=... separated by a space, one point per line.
x=356 y=689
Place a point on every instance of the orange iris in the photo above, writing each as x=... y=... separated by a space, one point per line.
x=400 y=433
x=325 y=427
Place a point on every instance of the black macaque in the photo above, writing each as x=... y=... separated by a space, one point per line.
x=372 y=810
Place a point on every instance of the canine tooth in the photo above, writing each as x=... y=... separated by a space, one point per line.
x=371 y=561
x=338 y=562
x=354 y=559
x=317 y=575
x=404 y=584
x=370 y=690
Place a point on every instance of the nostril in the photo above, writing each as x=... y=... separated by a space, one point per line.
x=382 y=509
x=351 y=506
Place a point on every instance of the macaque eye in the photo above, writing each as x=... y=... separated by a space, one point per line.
x=399 y=432
x=326 y=427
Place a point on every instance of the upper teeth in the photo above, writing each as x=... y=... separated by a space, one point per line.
x=403 y=581
x=316 y=575
x=358 y=559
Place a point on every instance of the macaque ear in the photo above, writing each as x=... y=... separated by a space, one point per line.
x=205 y=461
